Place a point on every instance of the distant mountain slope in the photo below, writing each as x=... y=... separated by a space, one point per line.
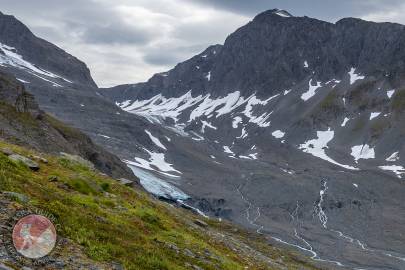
x=292 y=128
x=41 y=53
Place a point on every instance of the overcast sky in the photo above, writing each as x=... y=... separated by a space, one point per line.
x=127 y=41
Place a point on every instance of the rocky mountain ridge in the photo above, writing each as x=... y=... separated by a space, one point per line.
x=297 y=117
x=18 y=37
x=274 y=53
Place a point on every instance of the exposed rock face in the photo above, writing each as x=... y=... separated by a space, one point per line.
x=22 y=121
x=271 y=52
x=13 y=93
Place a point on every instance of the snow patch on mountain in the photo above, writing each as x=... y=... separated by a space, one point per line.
x=278 y=134
x=155 y=140
x=160 y=107
x=354 y=76
x=54 y=84
x=206 y=124
x=12 y=58
x=398 y=170
x=282 y=13
x=155 y=163
x=208 y=76
x=250 y=157
x=228 y=150
x=311 y=90
x=290 y=172
x=244 y=134
x=393 y=157
x=231 y=102
x=253 y=156
x=21 y=80
x=236 y=121
x=362 y=152
x=197 y=137
x=345 y=121
x=390 y=93
x=104 y=136
x=209 y=106
x=261 y=120
x=374 y=115
x=316 y=147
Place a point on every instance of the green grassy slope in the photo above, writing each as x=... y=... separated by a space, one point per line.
x=114 y=223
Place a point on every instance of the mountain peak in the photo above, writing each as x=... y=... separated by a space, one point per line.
x=273 y=12
x=282 y=13
x=38 y=52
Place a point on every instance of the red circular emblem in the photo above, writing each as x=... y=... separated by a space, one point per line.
x=34 y=236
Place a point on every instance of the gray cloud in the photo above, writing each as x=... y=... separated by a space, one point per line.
x=116 y=34
x=125 y=41
x=167 y=56
x=329 y=10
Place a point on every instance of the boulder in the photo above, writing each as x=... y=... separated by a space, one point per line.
x=40 y=159
x=14 y=195
x=6 y=151
x=26 y=161
x=200 y=223
x=117 y=266
x=78 y=159
x=126 y=182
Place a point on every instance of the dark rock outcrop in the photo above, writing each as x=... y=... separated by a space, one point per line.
x=22 y=122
